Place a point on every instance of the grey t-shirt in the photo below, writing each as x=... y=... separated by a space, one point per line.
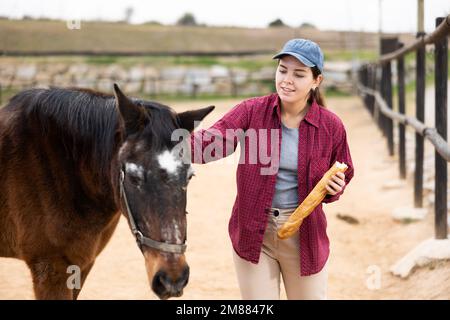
x=286 y=187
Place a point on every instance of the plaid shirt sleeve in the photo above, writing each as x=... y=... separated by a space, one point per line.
x=216 y=138
x=341 y=153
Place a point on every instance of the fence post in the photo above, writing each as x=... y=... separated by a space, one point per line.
x=373 y=81
x=401 y=109
x=368 y=84
x=194 y=91
x=365 y=78
x=388 y=45
x=382 y=88
x=379 y=88
x=420 y=115
x=441 y=73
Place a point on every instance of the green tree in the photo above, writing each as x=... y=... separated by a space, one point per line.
x=307 y=25
x=187 y=19
x=277 y=23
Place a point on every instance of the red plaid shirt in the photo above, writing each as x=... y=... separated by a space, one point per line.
x=322 y=141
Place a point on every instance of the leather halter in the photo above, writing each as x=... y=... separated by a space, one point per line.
x=140 y=238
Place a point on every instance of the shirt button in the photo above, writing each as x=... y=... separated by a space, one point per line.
x=276 y=213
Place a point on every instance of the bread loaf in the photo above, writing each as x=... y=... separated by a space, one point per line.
x=313 y=199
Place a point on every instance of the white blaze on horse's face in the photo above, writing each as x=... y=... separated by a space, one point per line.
x=134 y=169
x=169 y=161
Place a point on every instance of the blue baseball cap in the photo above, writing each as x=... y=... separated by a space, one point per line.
x=306 y=51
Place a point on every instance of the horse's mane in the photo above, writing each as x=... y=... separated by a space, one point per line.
x=87 y=121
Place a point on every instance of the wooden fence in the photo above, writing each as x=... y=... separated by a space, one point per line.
x=376 y=86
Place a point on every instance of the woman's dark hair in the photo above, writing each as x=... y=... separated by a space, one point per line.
x=315 y=94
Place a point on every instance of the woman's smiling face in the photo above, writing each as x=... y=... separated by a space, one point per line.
x=294 y=80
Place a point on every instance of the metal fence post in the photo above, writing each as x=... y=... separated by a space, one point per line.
x=420 y=115
x=441 y=73
x=401 y=109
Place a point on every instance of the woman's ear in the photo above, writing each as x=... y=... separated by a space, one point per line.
x=318 y=80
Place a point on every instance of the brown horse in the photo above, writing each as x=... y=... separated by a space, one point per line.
x=73 y=160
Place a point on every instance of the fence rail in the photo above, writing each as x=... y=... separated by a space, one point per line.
x=441 y=31
x=430 y=133
x=376 y=87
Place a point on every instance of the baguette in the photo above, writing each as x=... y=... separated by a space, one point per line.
x=313 y=199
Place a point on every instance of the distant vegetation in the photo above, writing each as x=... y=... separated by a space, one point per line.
x=307 y=25
x=187 y=19
x=277 y=23
x=188 y=36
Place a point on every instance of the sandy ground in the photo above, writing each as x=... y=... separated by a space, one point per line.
x=359 y=251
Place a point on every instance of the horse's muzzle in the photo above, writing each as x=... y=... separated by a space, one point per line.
x=166 y=286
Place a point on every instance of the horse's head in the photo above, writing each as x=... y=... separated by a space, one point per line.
x=152 y=177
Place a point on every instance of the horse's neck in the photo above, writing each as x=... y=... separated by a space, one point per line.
x=98 y=189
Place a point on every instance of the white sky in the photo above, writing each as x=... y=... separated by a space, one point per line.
x=357 y=15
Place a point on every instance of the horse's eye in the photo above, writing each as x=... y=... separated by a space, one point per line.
x=134 y=179
x=163 y=175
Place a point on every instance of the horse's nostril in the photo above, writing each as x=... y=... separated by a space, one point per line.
x=165 y=286
x=164 y=280
x=159 y=286
x=184 y=278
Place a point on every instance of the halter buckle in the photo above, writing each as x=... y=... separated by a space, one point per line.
x=139 y=236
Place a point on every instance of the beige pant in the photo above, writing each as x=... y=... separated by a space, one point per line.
x=262 y=281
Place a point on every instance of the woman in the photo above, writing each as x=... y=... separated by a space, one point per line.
x=305 y=139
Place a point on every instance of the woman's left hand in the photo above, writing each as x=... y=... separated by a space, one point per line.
x=336 y=183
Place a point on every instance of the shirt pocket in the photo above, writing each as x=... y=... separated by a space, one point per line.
x=317 y=168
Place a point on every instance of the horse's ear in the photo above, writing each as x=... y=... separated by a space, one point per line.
x=132 y=115
x=191 y=119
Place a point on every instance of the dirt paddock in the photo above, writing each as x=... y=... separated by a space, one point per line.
x=358 y=251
